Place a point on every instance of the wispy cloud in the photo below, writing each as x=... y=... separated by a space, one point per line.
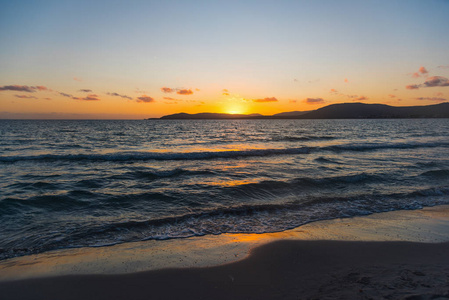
x=77 y=79
x=268 y=99
x=25 y=97
x=65 y=95
x=118 y=95
x=412 y=87
x=431 y=98
x=333 y=91
x=184 y=92
x=145 y=99
x=24 y=88
x=346 y=80
x=171 y=99
x=139 y=91
x=178 y=91
x=91 y=97
x=225 y=92
x=18 y=88
x=433 y=81
x=167 y=90
x=436 y=81
x=85 y=91
x=314 y=100
x=443 y=67
x=41 y=88
x=361 y=98
x=392 y=96
x=421 y=72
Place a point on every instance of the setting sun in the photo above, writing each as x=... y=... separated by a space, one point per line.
x=235 y=109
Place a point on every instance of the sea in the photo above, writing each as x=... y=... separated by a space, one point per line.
x=94 y=183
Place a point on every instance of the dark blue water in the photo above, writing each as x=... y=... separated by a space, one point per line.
x=94 y=183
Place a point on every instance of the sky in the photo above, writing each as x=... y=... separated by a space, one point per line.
x=139 y=59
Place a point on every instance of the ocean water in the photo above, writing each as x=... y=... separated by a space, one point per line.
x=67 y=184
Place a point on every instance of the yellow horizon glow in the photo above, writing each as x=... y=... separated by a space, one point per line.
x=235 y=109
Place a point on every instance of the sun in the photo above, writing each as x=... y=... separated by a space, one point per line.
x=235 y=109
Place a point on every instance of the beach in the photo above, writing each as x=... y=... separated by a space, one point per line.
x=392 y=255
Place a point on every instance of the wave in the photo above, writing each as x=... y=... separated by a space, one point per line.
x=82 y=197
x=302 y=183
x=229 y=154
x=136 y=156
x=322 y=159
x=436 y=174
x=379 y=146
x=237 y=219
x=288 y=138
x=158 y=174
x=242 y=218
x=78 y=200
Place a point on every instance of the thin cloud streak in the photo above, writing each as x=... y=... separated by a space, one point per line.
x=314 y=100
x=412 y=87
x=268 y=99
x=431 y=98
x=184 y=92
x=178 y=91
x=436 y=81
x=18 y=88
x=25 y=97
x=65 y=95
x=145 y=99
x=167 y=90
x=433 y=81
x=41 y=88
x=91 y=97
x=118 y=95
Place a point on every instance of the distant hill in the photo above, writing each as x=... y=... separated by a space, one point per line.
x=290 y=114
x=377 y=111
x=205 y=116
x=336 y=111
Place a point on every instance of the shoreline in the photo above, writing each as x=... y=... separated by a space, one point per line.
x=426 y=225
x=391 y=255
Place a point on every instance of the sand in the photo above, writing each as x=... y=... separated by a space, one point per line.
x=395 y=255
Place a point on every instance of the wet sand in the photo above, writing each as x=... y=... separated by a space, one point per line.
x=395 y=255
